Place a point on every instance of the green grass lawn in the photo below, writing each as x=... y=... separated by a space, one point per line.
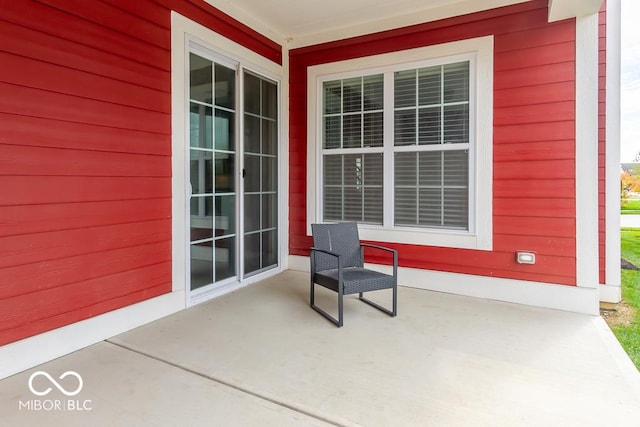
x=629 y=336
x=631 y=207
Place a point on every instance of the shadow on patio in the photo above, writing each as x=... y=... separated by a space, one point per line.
x=261 y=356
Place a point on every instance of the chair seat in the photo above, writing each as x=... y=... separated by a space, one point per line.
x=355 y=280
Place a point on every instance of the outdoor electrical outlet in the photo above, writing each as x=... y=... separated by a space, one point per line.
x=526 y=257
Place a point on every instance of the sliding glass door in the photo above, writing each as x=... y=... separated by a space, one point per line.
x=231 y=213
x=260 y=174
x=212 y=168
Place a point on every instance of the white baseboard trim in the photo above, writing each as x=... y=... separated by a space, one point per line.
x=559 y=297
x=610 y=293
x=27 y=353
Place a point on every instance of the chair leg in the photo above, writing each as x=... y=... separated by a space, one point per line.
x=312 y=295
x=393 y=312
x=340 y=309
x=339 y=321
x=395 y=301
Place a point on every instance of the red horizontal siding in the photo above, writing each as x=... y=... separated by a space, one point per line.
x=66 y=25
x=547 y=246
x=33 y=278
x=532 y=207
x=146 y=10
x=85 y=154
x=36 y=74
x=542 y=188
x=475 y=262
x=534 y=226
x=536 y=169
x=50 y=49
x=533 y=151
x=538 y=56
x=24 y=219
x=534 y=95
x=21 y=249
x=537 y=75
x=27 y=101
x=44 y=132
x=107 y=16
x=33 y=160
x=536 y=113
x=35 y=190
x=551 y=34
x=533 y=130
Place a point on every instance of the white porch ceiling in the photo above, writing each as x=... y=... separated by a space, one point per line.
x=305 y=22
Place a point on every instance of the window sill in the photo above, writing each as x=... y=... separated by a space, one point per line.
x=426 y=237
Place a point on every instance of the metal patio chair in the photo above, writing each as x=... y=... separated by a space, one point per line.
x=337 y=263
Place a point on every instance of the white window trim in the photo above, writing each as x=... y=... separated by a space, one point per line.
x=480 y=234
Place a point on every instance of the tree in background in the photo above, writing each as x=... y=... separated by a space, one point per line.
x=629 y=183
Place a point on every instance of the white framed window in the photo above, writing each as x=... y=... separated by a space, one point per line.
x=402 y=143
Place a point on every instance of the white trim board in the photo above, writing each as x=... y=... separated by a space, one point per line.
x=29 y=352
x=537 y=294
x=610 y=293
x=612 y=194
x=586 y=168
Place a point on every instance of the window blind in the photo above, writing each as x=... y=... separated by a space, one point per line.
x=353 y=119
x=431 y=110
x=353 y=187
x=431 y=189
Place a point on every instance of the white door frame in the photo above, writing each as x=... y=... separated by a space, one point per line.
x=185 y=35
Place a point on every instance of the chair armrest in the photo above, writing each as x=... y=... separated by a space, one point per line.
x=382 y=248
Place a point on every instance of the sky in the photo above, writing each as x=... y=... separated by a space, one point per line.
x=630 y=81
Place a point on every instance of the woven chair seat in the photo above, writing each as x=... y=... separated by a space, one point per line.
x=355 y=280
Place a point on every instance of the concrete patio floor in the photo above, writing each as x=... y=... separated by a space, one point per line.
x=261 y=357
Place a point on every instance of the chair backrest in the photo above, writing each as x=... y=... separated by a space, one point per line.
x=341 y=238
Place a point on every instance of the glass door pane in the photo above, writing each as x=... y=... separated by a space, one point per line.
x=212 y=118
x=260 y=174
